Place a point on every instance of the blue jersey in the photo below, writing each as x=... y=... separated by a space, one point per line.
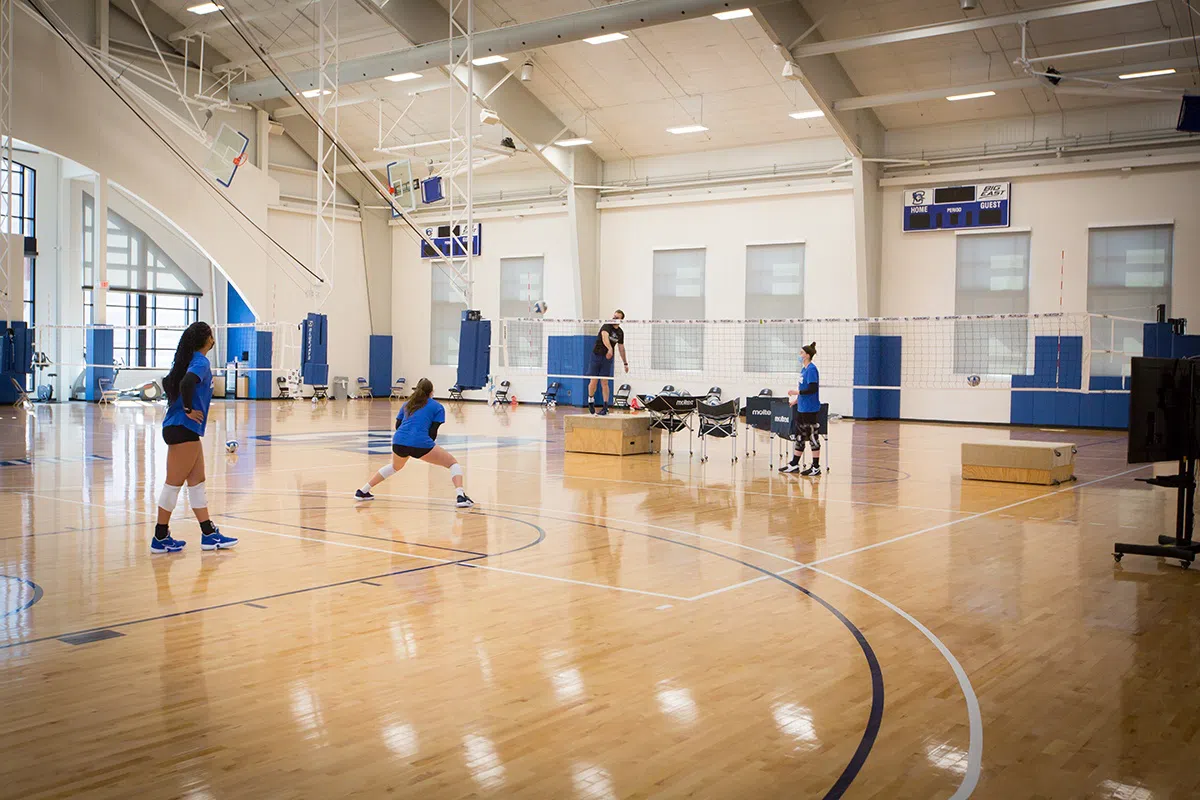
x=809 y=403
x=201 y=397
x=414 y=428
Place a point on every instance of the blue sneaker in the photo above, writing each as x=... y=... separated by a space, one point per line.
x=603 y=411
x=167 y=545
x=217 y=541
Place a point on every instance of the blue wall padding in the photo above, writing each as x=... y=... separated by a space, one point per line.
x=1156 y=340
x=380 y=366
x=877 y=362
x=260 y=360
x=1185 y=346
x=1057 y=364
x=238 y=341
x=314 y=350
x=474 y=352
x=99 y=345
x=16 y=358
x=570 y=355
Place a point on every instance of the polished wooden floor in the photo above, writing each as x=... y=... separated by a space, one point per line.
x=596 y=627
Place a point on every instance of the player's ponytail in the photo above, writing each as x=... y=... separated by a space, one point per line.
x=420 y=397
x=191 y=342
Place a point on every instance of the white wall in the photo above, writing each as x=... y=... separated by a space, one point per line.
x=919 y=268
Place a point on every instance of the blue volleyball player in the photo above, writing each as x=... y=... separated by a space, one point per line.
x=806 y=398
x=415 y=437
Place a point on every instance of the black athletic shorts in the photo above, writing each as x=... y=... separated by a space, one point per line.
x=404 y=451
x=178 y=434
x=802 y=418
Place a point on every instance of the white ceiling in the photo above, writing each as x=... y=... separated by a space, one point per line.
x=726 y=75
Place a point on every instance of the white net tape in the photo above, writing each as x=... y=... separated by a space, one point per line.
x=935 y=352
x=151 y=348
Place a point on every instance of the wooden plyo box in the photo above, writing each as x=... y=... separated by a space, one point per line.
x=1042 y=463
x=612 y=435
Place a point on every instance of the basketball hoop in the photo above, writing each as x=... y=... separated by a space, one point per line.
x=239 y=160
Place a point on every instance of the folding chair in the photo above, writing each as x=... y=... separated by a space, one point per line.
x=714 y=396
x=22 y=400
x=398 y=389
x=621 y=398
x=550 y=396
x=108 y=394
x=456 y=392
x=502 y=392
x=285 y=391
x=720 y=421
x=362 y=390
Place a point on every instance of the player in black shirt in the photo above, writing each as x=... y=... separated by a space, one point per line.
x=601 y=366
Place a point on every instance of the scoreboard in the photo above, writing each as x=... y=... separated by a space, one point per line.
x=452 y=242
x=983 y=205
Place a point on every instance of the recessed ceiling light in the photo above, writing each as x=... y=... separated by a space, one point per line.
x=403 y=76
x=483 y=61
x=1154 y=73
x=724 y=16
x=816 y=112
x=606 y=38
x=578 y=141
x=205 y=8
x=315 y=92
x=687 y=129
x=972 y=96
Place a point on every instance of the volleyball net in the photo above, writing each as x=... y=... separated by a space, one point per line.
x=952 y=352
x=149 y=350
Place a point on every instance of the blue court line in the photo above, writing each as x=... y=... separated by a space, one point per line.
x=540 y=538
x=37 y=594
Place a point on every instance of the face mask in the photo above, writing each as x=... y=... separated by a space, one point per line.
x=616 y=323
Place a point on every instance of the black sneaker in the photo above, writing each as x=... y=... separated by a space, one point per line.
x=359 y=494
x=812 y=471
x=603 y=411
x=464 y=501
x=592 y=408
x=791 y=468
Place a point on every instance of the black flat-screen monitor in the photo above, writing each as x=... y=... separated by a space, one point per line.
x=1162 y=410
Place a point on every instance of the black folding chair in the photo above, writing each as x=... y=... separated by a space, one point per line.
x=672 y=413
x=720 y=421
x=502 y=392
x=621 y=398
x=550 y=396
x=456 y=392
x=714 y=396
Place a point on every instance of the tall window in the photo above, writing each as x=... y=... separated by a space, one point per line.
x=678 y=294
x=1129 y=273
x=445 y=319
x=23 y=183
x=993 y=278
x=774 y=290
x=521 y=287
x=150 y=299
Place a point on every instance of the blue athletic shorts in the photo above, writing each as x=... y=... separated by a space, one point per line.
x=601 y=366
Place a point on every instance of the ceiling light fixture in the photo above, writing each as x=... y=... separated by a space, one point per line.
x=403 y=76
x=1154 y=73
x=687 y=129
x=578 y=141
x=483 y=61
x=527 y=71
x=315 y=92
x=605 y=38
x=725 y=16
x=205 y=8
x=816 y=112
x=954 y=98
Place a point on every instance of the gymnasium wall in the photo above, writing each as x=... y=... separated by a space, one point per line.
x=919 y=268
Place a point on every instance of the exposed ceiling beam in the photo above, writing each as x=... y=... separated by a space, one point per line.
x=161 y=25
x=823 y=77
x=1031 y=82
x=215 y=22
x=434 y=51
x=958 y=26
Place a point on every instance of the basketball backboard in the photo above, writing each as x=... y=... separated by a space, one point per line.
x=400 y=184
x=228 y=152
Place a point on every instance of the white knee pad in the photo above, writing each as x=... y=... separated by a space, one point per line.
x=197 y=496
x=456 y=470
x=169 y=497
x=387 y=472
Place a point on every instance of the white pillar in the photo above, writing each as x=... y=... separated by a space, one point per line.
x=100 y=254
x=868 y=236
x=102 y=26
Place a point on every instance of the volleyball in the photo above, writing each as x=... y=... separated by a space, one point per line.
x=972 y=380
x=541 y=307
x=231 y=446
